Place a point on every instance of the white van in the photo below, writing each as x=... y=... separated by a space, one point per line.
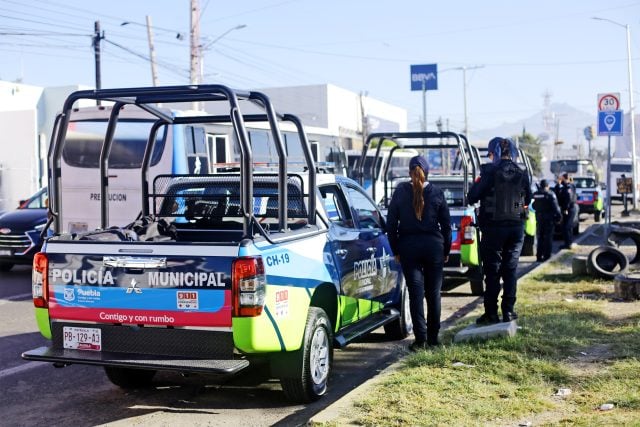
x=619 y=166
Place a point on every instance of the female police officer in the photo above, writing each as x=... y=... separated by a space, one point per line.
x=419 y=229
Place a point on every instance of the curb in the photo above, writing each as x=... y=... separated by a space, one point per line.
x=335 y=412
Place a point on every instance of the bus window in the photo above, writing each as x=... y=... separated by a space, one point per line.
x=260 y=145
x=196 y=147
x=84 y=142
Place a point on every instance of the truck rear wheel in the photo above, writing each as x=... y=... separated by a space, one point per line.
x=401 y=327
x=129 y=378
x=528 y=246
x=313 y=360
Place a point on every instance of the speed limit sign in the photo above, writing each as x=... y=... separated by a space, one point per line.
x=608 y=101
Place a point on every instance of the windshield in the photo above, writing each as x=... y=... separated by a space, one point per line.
x=85 y=138
x=584 y=182
x=37 y=201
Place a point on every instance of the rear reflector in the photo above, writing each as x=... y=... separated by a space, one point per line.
x=248 y=286
x=39 y=281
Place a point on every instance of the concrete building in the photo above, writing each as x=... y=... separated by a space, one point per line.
x=27 y=114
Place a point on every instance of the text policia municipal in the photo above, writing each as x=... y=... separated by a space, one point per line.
x=167 y=279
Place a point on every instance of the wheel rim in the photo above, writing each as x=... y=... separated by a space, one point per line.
x=319 y=356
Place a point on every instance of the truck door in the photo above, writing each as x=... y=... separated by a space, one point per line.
x=372 y=280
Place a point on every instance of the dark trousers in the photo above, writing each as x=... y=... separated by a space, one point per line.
x=545 y=239
x=568 y=221
x=424 y=275
x=500 y=249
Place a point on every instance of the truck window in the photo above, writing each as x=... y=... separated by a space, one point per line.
x=368 y=215
x=335 y=206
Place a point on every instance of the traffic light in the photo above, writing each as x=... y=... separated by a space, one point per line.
x=590 y=133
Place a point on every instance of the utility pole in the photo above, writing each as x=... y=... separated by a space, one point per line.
x=152 y=53
x=194 y=34
x=97 y=38
x=464 y=93
x=194 y=69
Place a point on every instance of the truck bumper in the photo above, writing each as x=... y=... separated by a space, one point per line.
x=127 y=346
x=137 y=361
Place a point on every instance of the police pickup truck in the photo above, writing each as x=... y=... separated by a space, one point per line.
x=453 y=165
x=219 y=271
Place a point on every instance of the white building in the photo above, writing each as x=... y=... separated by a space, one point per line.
x=27 y=114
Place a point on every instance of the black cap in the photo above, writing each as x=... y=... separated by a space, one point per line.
x=544 y=183
x=419 y=161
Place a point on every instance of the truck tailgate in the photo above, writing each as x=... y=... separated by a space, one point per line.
x=159 y=285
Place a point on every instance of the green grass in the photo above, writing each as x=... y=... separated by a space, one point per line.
x=572 y=336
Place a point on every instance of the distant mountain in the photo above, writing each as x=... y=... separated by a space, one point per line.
x=568 y=122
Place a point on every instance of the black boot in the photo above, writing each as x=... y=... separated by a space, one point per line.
x=488 y=319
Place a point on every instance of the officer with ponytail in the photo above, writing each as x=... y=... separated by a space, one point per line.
x=503 y=191
x=419 y=230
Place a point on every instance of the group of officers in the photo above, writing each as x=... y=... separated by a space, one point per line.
x=555 y=207
x=419 y=230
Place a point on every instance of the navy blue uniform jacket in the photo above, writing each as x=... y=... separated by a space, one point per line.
x=482 y=188
x=402 y=221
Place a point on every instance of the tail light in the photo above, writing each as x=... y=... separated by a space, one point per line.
x=595 y=196
x=248 y=287
x=467 y=230
x=40 y=281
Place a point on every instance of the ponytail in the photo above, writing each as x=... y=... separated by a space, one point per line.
x=417 y=181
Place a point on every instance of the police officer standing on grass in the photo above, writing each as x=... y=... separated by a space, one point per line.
x=548 y=214
x=503 y=190
x=567 y=198
x=419 y=230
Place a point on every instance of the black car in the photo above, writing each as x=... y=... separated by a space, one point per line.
x=20 y=231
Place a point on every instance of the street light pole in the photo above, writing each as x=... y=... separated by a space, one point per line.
x=464 y=93
x=634 y=166
x=204 y=47
x=634 y=169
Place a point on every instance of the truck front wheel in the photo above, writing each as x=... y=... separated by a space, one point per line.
x=313 y=360
x=128 y=378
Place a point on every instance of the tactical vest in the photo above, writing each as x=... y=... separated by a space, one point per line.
x=543 y=205
x=506 y=200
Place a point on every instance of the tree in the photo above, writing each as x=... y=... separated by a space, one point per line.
x=532 y=148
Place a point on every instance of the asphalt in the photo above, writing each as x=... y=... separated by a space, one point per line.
x=338 y=413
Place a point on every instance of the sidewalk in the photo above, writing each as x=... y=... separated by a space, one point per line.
x=338 y=413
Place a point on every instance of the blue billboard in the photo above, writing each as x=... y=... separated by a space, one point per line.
x=424 y=77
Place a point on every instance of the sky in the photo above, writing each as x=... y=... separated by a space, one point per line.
x=515 y=52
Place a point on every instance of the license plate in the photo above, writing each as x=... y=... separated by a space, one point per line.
x=82 y=338
x=5 y=252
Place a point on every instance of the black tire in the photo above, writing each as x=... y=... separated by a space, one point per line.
x=5 y=266
x=606 y=262
x=476 y=280
x=528 y=246
x=129 y=378
x=401 y=327
x=313 y=360
x=596 y=216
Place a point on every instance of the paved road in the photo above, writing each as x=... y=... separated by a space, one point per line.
x=36 y=393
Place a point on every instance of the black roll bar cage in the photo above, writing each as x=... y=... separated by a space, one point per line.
x=142 y=97
x=462 y=145
x=465 y=173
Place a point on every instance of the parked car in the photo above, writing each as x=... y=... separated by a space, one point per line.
x=20 y=231
x=590 y=196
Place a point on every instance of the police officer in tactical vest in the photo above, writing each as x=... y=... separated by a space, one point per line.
x=567 y=199
x=548 y=214
x=503 y=191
